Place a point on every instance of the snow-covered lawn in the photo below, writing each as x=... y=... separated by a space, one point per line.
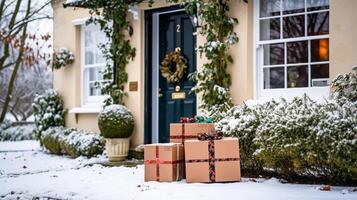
x=26 y=172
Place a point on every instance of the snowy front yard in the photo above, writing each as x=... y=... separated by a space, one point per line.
x=26 y=172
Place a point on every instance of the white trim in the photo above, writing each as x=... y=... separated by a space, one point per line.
x=80 y=21
x=255 y=49
x=85 y=110
x=155 y=74
x=88 y=101
x=316 y=93
x=155 y=79
x=258 y=60
x=297 y=39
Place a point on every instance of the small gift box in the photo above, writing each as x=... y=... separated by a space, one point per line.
x=212 y=159
x=179 y=132
x=164 y=162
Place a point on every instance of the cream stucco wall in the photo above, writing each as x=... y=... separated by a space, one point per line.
x=343 y=36
x=343 y=48
x=67 y=80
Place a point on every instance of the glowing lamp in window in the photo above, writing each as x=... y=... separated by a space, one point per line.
x=323 y=49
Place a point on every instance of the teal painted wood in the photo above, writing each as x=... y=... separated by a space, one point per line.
x=176 y=30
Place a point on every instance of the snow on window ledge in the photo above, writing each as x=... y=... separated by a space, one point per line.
x=85 y=110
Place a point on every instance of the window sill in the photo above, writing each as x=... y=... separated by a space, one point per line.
x=84 y=110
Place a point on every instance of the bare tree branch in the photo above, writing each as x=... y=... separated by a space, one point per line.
x=16 y=67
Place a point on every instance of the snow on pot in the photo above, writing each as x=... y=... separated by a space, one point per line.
x=116 y=125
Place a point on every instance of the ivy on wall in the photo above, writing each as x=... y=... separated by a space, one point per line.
x=112 y=17
x=212 y=80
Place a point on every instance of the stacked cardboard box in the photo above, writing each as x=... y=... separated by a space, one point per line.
x=179 y=132
x=212 y=160
x=164 y=162
x=206 y=160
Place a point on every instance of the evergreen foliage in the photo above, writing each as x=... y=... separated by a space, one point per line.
x=213 y=80
x=48 y=111
x=116 y=121
x=112 y=17
x=299 y=138
x=60 y=140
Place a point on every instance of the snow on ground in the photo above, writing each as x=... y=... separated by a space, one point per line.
x=26 y=145
x=50 y=176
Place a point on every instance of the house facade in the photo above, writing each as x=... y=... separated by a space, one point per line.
x=286 y=48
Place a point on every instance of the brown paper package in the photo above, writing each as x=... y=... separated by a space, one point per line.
x=225 y=171
x=189 y=131
x=168 y=166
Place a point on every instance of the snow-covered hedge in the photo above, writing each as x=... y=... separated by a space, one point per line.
x=116 y=121
x=300 y=137
x=18 y=132
x=72 y=142
x=5 y=124
x=48 y=111
x=346 y=85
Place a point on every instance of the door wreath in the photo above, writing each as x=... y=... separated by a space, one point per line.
x=181 y=65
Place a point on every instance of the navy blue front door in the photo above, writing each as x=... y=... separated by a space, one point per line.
x=176 y=31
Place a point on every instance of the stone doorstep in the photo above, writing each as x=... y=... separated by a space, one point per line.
x=125 y=163
x=135 y=157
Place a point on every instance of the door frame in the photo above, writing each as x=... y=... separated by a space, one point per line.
x=148 y=92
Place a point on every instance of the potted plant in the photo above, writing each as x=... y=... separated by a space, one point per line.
x=116 y=125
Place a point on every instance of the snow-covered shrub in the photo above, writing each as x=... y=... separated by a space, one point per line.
x=52 y=139
x=242 y=122
x=115 y=121
x=81 y=143
x=336 y=140
x=297 y=138
x=346 y=86
x=48 y=111
x=72 y=142
x=18 y=132
x=62 y=57
x=286 y=138
x=5 y=124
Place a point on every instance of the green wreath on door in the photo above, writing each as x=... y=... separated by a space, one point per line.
x=181 y=65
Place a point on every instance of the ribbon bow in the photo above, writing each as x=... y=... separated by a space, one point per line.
x=209 y=136
x=202 y=119
x=187 y=120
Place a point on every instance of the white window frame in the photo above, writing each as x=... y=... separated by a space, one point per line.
x=317 y=93
x=88 y=101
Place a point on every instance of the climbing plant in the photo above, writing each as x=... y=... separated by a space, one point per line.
x=111 y=15
x=213 y=80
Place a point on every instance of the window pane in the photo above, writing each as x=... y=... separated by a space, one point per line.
x=273 y=54
x=319 y=50
x=297 y=76
x=297 y=52
x=273 y=77
x=294 y=26
x=89 y=58
x=293 y=6
x=318 y=23
x=320 y=75
x=99 y=58
x=94 y=90
x=317 y=4
x=95 y=73
x=269 y=8
x=270 y=29
x=88 y=38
